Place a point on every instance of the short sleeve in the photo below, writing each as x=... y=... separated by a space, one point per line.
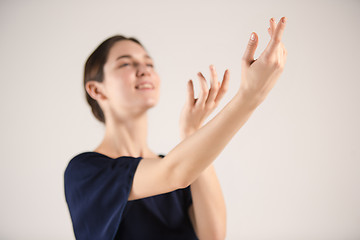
x=188 y=197
x=96 y=190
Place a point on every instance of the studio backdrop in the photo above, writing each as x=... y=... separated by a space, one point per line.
x=291 y=172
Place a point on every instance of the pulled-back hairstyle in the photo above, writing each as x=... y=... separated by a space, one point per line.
x=94 y=70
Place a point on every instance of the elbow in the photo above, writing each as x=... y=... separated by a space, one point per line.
x=184 y=181
x=180 y=176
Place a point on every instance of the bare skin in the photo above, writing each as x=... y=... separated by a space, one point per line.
x=126 y=122
x=125 y=107
x=208 y=211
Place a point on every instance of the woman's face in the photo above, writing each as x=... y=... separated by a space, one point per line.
x=130 y=80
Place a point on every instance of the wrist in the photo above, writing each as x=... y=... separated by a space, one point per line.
x=252 y=101
x=186 y=133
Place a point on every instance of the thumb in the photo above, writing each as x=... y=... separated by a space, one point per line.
x=248 y=56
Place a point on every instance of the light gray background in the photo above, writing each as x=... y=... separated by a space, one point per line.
x=291 y=172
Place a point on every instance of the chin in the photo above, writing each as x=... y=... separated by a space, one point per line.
x=150 y=102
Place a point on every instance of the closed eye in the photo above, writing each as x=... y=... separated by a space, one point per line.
x=123 y=65
x=128 y=64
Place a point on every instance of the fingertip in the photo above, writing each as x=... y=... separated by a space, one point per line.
x=256 y=37
x=253 y=36
x=283 y=19
x=190 y=87
x=226 y=74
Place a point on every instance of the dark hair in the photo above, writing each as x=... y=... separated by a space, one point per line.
x=94 y=69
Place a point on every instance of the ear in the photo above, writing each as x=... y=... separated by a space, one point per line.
x=95 y=90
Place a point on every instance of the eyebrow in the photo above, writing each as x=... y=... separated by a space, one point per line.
x=129 y=56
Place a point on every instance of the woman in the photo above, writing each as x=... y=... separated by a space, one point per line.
x=122 y=189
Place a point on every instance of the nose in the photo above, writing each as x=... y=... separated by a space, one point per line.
x=142 y=70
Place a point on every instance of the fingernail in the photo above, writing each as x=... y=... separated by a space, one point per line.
x=284 y=20
x=272 y=19
x=252 y=36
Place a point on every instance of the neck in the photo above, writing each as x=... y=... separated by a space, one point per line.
x=126 y=138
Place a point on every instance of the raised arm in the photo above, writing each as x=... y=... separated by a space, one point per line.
x=184 y=163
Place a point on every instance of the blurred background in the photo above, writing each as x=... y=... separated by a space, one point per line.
x=291 y=172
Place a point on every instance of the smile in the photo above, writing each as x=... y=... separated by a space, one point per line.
x=145 y=86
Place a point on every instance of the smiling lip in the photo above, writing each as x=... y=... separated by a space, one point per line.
x=146 y=88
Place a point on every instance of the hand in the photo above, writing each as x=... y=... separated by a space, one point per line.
x=259 y=76
x=195 y=111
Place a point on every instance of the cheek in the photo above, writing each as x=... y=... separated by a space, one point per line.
x=157 y=79
x=123 y=75
x=120 y=88
x=123 y=80
x=158 y=88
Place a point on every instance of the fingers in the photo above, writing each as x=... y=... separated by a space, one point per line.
x=279 y=30
x=224 y=86
x=211 y=97
x=272 y=27
x=204 y=90
x=190 y=88
x=248 y=56
x=214 y=78
x=214 y=85
x=271 y=30
x=277 y=33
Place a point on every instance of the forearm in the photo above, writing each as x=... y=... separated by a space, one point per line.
x=193 y=155
x=208 y=206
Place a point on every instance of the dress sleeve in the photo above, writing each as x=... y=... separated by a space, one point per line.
x=96 y=191
x=188 y=197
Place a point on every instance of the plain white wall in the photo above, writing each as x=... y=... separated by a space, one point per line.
x=292 y=171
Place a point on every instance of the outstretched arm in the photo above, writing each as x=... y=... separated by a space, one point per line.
x=208 y=211
x=178 y=169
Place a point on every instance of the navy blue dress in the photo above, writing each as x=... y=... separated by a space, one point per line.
x=97 y=189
